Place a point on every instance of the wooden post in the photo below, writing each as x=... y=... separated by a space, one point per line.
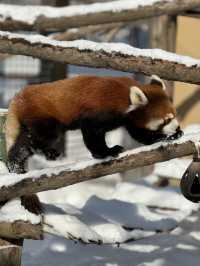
x=10 y=249
x=52 y=71
x=163 y=31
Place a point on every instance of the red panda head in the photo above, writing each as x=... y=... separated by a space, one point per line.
x=156 y=119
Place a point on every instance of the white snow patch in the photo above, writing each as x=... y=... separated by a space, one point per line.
x=195 y=235
x=73 y=223
x=151 y=196
x=13 y=211
x=186 y=247
x=140 y=248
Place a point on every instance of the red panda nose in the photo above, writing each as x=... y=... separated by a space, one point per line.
x=177 y=135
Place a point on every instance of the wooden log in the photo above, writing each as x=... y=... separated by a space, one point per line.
x=20 y=230
x=61 y=176
x=10 y=252
x=115 y=56
x=58 y=19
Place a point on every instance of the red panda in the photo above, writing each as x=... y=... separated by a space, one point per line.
x=39 y=115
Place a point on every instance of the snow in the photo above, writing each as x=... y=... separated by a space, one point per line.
x=13 y=211
x=108 y=48
x=89 y=227
x=29 y=14
x=104 y=217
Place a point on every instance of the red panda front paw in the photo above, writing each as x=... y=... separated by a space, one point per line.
x=114 y=151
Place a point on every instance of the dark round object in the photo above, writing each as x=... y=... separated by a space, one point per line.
x=190 y=182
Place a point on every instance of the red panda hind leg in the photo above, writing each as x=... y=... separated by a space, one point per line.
x=19 y=152
x=17 y=159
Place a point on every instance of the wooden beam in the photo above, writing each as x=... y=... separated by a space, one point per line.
x=10 y=252
x=163 y=35
x=105 y=55
x=59 y=19
x=54 y=178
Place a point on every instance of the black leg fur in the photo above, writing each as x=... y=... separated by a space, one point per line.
x=19 y=153
x=17 y=158
x=48 y=137
x=94 y=139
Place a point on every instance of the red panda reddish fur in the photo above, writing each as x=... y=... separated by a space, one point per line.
x=66 y=100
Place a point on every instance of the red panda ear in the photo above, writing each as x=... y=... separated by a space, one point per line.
x=137 y=97
x=157 y=80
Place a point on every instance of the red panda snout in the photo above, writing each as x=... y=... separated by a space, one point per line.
x=171 y=127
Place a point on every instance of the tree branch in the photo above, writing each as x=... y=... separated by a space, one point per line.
x=14 y=185
x=117 y=56
x=41 y=18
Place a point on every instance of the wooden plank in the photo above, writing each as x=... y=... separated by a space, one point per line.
x=10 y=252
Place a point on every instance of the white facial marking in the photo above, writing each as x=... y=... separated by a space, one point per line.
x=155 y=77
x=131 y=108
x=137 y=97
x=171 y=127
x=169 y=116
x=155 y=124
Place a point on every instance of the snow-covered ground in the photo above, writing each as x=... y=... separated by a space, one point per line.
x=181 y=247
x=113 y=211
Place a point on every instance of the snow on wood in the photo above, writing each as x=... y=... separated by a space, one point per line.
x=15 y=221
x=43 y=18
x=14 y=185
x=117 y=56
x=13 y=210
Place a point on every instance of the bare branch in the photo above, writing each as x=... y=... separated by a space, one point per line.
x=41 y=18
x=61 y=176
x=106 y=55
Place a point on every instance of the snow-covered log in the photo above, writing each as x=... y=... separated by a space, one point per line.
x=16 y=222
x=44 y=18
x=13 y=185
x=117 y=56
